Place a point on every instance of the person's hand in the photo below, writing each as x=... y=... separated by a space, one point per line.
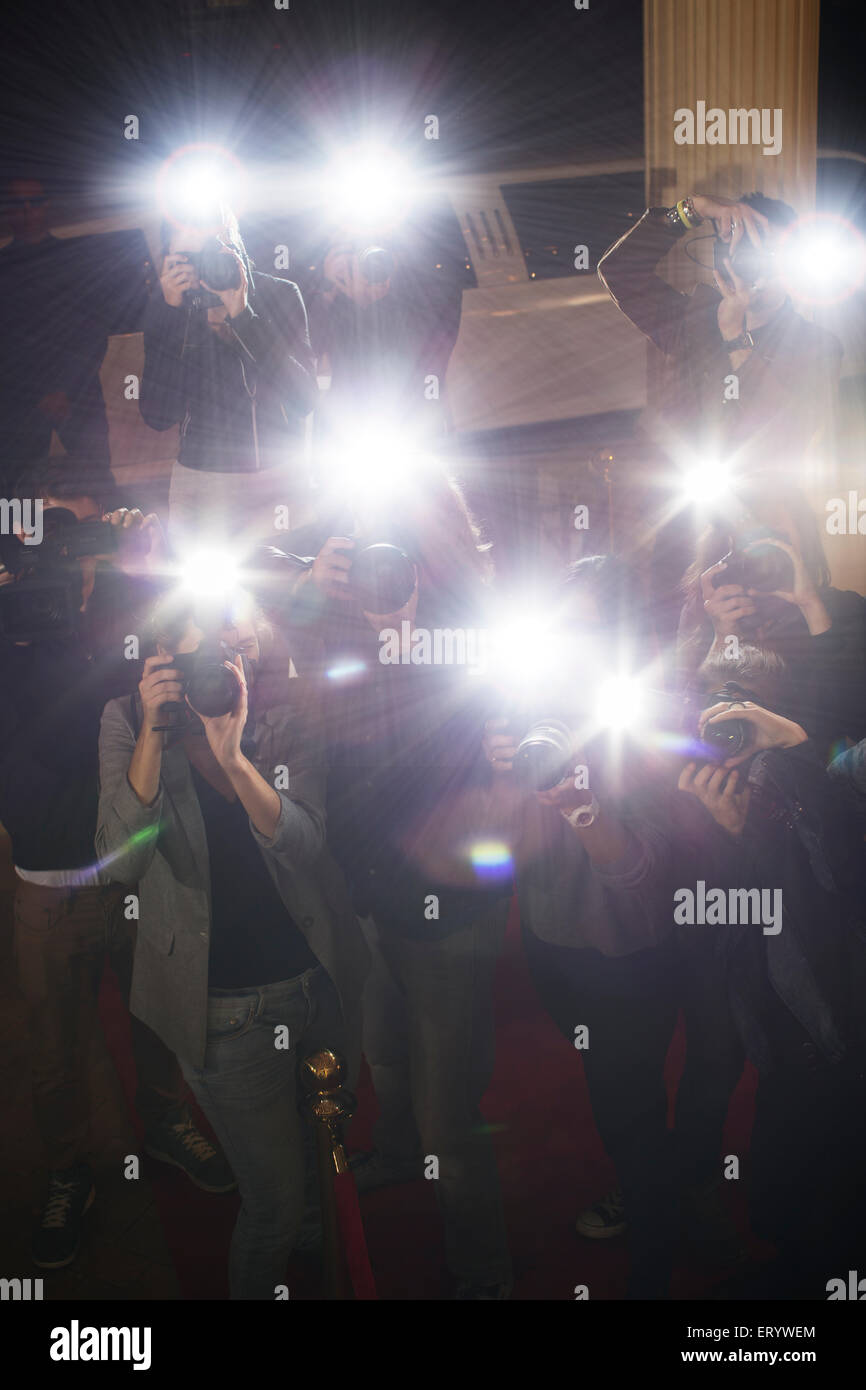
x=330 y=569
x=224 y=731
x=56 y=406
x=718 y=789
x=731 y=217
x=178 y=274
x=565 y=796
x=769 y=730
x=734 y=303
x=726 y=605
x=498 y=745
x=236 y=300
x=141 y=541
x=343 y=268
x=158 y=687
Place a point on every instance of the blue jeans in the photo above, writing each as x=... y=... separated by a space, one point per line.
x=248 y=1090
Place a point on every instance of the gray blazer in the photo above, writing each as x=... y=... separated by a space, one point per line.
x=162 y=849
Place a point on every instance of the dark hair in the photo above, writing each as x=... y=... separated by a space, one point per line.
x=620 y=598
x=756 y=668
x=718 y=538
x=218 y=219
x=68 y=481
x=779 y=214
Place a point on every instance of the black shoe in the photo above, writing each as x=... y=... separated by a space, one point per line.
x=372 y=1170
x=56 y=1239
x=185 y=1147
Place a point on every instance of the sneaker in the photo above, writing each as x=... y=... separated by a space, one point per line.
x=185 y=1147
x=605 y=1218
x=56 y=1239
x=468 y=1291
x=373 y=1171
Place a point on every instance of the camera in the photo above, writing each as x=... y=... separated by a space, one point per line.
x=544 y=755
x=761 y=565
x=382 y=576
x=377 y=264
x=45 y=599
x=728 y=738
x=216 y=267
x=212 y=690
x=750 y=263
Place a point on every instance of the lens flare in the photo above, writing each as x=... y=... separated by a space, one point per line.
x=368 y=186
x=823 y=259
x=491 y=859
x=195 y=180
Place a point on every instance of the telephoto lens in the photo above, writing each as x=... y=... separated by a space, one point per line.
x=728 y=737
x=544 y=755
x=382 y=577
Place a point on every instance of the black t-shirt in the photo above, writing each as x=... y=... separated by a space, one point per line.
x=254 y=940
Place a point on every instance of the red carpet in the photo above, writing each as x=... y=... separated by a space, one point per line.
x=550 y=1159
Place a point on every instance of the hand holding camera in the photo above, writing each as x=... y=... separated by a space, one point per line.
x=755 y=728
x=719 y=790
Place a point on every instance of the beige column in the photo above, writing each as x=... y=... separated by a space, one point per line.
x=731 y=55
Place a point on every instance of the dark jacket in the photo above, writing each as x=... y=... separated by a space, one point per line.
x=795 y=993
x=240 y=406
x=787 y=385
x=52 y=694
x=825 y=684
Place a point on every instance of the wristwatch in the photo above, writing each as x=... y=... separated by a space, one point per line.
x=745 y=340
x=583 y=816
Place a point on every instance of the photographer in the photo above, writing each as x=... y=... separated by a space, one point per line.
x=244 y=928
x=51 y=355
x=796 y=992
x=744 y=376
x=385 y=320
x=768 y=539
x=229 y=361
x=601 y=957
x=787 y=368
x=404 y=803
x=67 y=911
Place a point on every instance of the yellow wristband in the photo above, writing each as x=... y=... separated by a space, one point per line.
x=684 y=217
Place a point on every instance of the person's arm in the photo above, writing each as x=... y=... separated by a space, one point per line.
x=162 y=401
x=289 y=823
x=274 y=335
x=127 y=825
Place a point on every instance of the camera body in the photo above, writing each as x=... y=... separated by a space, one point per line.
x=44 y=601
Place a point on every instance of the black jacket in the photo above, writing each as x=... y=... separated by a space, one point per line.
x=240 y=406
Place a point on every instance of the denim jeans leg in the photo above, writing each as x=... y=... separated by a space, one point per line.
x=247 y=1089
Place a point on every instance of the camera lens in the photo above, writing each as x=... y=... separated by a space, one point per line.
x=377 y=265
x=728 y=737
x=212 y=690
x=544 y=755
x=767 y=568
x=383 y=578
